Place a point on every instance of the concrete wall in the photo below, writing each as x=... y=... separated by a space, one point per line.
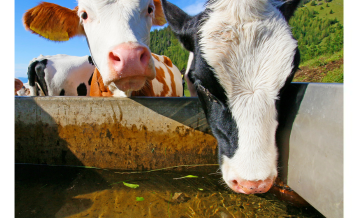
x=144 y=134
x=315 y=167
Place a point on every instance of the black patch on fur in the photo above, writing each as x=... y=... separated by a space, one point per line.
x=90 y=60
x=211 y=94
x=89 y=82
x=220 y=120
x=288 y=8
x=62 y=93
x=31 y=73
x=37 y=72
x=81 y=89
x=184 y=26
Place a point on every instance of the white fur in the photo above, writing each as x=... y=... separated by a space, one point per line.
x=113 y=22
x=24 y=91
x=190 y=85
x=65 y=72
x=251 y=54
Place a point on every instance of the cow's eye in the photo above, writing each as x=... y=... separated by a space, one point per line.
x=150 y=10
x=84 y=15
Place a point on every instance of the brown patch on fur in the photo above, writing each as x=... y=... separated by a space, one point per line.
x=173 y=84
x=147 y=90
x=167 y=61
x=160 y=76
x=53 y=22
x=159 y=18
x=18 y=85
x=156 y=57
x=97 y=88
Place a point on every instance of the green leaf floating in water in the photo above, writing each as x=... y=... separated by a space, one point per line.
x=140 y=199
x=131 y=185
x=190 y=176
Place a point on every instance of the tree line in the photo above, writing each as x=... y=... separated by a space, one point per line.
x=316 y=36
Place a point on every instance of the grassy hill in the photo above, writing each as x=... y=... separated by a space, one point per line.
x=320 y=39
x=337 y=6
x=322 y=69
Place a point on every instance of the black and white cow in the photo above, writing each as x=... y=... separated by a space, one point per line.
x=60 y=75
x=244 y=57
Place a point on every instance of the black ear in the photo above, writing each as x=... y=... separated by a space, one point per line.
x=183 y=25
x=288 y=8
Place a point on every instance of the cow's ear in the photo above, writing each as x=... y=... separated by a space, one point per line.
x=18 y=85
x=53 y=22
x=159 y=18
x=183 y=25
x=288 y=8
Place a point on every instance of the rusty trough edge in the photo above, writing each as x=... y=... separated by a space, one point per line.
x=112 y=133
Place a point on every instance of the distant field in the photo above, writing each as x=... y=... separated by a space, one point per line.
x=337 y=6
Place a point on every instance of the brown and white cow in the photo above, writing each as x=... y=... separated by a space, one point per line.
x=118 y=36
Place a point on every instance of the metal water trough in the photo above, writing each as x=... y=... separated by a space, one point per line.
x=152 y=133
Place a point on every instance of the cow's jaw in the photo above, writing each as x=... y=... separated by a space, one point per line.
x=114 y=50
x=244 y=53
x=117 y=92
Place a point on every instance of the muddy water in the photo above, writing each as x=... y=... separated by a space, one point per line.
x=49 y=191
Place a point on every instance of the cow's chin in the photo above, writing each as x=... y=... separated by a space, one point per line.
x=131 y=83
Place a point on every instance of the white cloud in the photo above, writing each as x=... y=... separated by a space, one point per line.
x=195 y=8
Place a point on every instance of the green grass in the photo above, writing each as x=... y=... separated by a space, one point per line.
x=335 y=76
x=323 y=59
x=337 y=6
x=320 y=63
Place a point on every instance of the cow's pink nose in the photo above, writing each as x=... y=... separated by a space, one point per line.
x=129 y=60
x=251 y=187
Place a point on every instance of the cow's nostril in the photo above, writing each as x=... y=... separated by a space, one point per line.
x=145 y=57
x=114 y=57
x=235 y=182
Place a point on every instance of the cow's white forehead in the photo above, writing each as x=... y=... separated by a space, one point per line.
x=98 y=4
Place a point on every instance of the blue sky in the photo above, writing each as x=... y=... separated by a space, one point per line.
x=29 y=46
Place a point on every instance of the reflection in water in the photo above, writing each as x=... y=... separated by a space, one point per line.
x=44 y=191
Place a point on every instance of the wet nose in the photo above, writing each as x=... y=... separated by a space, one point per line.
x=251 y=187
x=129 y=60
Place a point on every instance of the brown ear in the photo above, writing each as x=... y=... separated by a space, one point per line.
x=18 y=85
x=53 y=22
x=159 y=18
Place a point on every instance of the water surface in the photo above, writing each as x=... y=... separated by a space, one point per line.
x=53 y=191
